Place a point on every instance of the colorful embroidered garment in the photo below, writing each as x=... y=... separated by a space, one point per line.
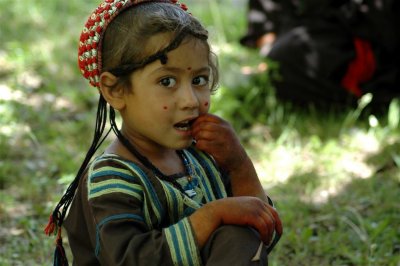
x=123 y=214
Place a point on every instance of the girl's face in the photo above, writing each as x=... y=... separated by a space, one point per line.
x=165 y=99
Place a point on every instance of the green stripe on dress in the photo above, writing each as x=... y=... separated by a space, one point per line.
x=150 y=192
x=115 y=186
x=137 y=175
x=184 y=251
x=174 y=202
x=204 y=182
x=109 y=171
x=215 y=177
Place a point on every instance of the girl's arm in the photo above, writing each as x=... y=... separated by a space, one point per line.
x=245 y=211
x=216 y=137
x=249 y=206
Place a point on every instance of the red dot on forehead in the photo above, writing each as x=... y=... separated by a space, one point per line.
x=189 y=68
x=206 y=104
x=165 y=107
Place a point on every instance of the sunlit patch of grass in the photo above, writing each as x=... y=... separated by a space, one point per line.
x=355 y=227
x=336 y=196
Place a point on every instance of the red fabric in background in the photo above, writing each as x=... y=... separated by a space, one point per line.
x=361 y=69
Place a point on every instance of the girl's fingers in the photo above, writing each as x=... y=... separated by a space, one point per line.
x=207 y=122
x=205 y=126
x=268 y=227
x=209 y=134
x=203 y=145
x=208 y=118
x=277 y=220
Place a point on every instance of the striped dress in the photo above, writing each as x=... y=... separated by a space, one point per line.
x=122 y=214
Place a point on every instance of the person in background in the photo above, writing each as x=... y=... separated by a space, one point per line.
x=329 y=52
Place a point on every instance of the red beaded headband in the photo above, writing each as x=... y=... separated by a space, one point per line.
x=89 y=54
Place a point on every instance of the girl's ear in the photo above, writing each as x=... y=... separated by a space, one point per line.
x=114 y=95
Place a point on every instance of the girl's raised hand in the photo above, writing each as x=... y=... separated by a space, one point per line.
x=217 y=137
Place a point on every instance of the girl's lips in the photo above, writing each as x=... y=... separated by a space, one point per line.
x=184 y=132
x=185 y=125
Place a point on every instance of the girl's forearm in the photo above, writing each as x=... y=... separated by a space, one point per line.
x=204 y=222
x=245 y=182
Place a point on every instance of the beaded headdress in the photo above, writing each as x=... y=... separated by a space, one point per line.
x=89 y=53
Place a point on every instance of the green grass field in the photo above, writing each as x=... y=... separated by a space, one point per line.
x=334 y=175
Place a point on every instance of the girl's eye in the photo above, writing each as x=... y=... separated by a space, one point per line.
x=200 y=80
x=168 y=82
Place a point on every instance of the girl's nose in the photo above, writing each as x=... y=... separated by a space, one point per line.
x=189 y=98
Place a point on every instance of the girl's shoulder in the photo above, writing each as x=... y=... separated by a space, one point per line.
x=112 y=166
x=108 y=166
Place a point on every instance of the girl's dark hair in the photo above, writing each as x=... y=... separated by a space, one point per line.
x=125 y=43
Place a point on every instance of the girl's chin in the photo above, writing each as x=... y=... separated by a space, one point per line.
x=184 y=144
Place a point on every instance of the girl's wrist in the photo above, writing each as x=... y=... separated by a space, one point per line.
x=205 y=221
x=213 y=212
x=241 y=164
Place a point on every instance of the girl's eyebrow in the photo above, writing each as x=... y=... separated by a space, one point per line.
x=177 y=69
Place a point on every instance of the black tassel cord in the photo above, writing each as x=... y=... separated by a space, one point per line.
x=56 y=219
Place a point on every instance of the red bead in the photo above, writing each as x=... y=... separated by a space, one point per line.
x=81 y=64
x=107 y=15
x=184 y=7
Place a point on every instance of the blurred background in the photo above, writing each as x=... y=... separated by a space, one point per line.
x=334 y=175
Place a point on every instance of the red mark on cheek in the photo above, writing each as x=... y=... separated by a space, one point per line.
x=206 y=104
x=165 y=107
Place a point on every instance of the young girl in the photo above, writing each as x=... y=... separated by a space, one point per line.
x=175 y=187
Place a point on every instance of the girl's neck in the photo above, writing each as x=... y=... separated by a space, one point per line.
x=166 y=160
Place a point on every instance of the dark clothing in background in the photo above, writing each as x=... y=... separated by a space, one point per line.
x=331 y=51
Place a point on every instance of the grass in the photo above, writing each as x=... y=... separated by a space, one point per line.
x=334 y=175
